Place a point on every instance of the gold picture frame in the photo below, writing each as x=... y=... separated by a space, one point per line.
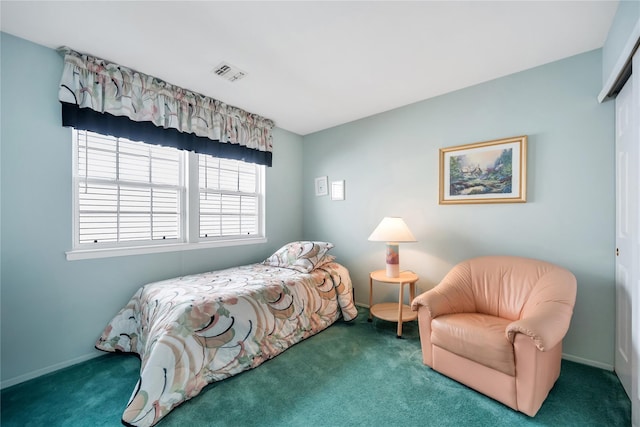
x=484 y=172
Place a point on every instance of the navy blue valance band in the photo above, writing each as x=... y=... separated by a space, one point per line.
x=123 y=127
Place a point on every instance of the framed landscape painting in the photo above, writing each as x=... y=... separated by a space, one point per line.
x=484 y=172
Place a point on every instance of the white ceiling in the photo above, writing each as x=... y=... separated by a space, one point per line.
x=314 y=65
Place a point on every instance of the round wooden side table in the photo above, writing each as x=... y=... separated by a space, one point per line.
x=391 y=311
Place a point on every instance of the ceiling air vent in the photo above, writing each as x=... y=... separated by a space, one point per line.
x=229 y=72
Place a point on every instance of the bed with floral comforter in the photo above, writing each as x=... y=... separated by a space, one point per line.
x=194 y=330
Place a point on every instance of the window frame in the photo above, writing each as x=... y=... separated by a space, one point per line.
x=258 y=175
x=189 y=218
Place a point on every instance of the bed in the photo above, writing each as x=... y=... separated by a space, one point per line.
x=194 y=330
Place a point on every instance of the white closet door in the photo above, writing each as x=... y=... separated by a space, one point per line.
x=627 y=235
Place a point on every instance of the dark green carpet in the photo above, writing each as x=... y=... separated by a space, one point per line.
x=352 y=374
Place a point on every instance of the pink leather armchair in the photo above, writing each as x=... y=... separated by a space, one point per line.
x=496 y=324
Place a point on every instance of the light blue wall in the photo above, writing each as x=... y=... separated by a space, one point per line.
x=390 y=165
x=627 y=17
x=53 y=310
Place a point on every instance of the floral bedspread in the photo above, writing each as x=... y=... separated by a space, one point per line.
x=194 y=330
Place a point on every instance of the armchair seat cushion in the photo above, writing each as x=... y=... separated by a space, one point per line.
x=475 y=336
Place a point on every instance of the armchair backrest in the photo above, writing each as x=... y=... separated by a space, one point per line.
x=509 y=286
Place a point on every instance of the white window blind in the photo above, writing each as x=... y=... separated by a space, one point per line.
x=230 y=193
x=126 y=191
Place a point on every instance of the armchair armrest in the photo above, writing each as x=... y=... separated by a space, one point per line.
x=546 y=328
x=547 y=314
x=452 y=295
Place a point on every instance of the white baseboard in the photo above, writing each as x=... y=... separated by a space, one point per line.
x=37 y=373
x=588 y=362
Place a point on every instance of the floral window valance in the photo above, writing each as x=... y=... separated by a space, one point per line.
x=108 y=98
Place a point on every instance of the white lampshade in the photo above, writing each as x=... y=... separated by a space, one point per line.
x=392 y=229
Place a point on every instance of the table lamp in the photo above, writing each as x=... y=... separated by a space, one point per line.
x=392 y=230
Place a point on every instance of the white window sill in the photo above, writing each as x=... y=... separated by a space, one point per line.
x=79 y=254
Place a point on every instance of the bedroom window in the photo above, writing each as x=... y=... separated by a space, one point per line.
x=131 y=198
x=229 y=197
x=126 y=192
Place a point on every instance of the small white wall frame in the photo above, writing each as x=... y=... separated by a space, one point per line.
x=322 y=186
x=337 y=190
